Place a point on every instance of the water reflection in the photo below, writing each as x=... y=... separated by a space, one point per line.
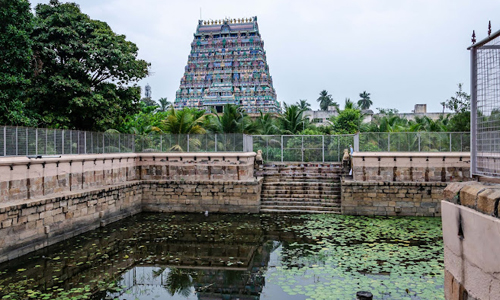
x=190 y=256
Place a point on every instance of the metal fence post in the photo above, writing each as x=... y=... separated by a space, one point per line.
x=85 y=142
x=187 y=136
x=418 y=134
x=450 y=141
x=323 y=148
x=17 y=142
x=216 y=142
x=36 y=141
x=27 y=144
x=161 y=142
x=389 y=142
x=473 y=111
x=302 y=149
x=281 y=148
x=5 y=141
x=62 y=141
x=356 y=142
x=119 y=143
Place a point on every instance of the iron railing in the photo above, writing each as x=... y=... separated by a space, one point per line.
x=302 y=148
x=22 y=141
x=414 y=141
x=485 y=106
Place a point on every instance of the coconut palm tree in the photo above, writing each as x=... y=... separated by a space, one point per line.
x=303 y=104
x=164 y=104
x=365 y=102
x=184 y=121
x=233 y=120
x=266 y=124
x=325 y=100
x=292 y=120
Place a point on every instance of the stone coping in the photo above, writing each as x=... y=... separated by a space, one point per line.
x=411 y=154
x=395 y=183
x=7 y=206
x=24 y=160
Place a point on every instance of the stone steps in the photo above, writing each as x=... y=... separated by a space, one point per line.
x=309 y=203
x=290 y=195
x=297 y=210
x=330 y=199
x=301 y=188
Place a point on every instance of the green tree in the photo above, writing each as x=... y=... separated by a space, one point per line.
x=348 y=121
x=303 y=104
x=149 y=102
x=460 y=105
x=365 y=102
x=266 y=124
x=292 y=120
x=184 y=121
x=16 y=25
x=164 y=104
x=233 y=120
x=86 y=71
x=326 y=100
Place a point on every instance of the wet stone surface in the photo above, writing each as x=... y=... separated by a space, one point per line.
x=191 y=256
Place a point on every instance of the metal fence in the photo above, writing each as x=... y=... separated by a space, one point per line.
x=22 y=141
x=485 y=106
x=414 y=141
x=302 y=148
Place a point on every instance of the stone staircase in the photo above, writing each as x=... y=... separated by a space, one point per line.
x=300 y=187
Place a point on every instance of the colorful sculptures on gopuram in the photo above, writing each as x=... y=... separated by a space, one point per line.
x=227 y=65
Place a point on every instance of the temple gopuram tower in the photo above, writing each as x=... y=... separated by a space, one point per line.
x=227 y=64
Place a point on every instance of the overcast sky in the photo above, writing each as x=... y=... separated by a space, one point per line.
x=402 y=52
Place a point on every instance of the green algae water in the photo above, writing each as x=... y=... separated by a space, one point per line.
x=192 y=256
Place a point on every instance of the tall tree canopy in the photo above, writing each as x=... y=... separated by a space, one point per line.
x=16 y=25
x=325 y=100
x=364 y=102
x=83 y=70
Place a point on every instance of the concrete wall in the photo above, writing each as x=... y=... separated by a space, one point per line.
x=391 y=198
x=43 y=201
x=411 y=166
x=471 y=234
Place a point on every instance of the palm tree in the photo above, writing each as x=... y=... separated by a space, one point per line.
x=365 y=102
x=325 y=100
x=349 y=104
x=265 y=124
x=233 y=120
x=303 y=104
x=164 y=104
x=292 y=120
x=184 y=121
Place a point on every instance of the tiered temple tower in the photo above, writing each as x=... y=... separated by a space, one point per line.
x=227 y=64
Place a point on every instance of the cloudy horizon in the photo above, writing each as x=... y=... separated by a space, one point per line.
x=402 y=52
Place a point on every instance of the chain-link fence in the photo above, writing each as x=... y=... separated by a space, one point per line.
x=414 y=142
x=22 y=141
x=485 y=106
x=302 y=148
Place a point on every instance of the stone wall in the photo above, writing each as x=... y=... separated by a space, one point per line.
x=471 y=235
x=43 y=201
x=411 y=166
x=34 y=224
x=201 y=196
x=391 y=198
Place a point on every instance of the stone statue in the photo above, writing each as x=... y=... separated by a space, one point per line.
x=346 y=161
x=258 y=158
